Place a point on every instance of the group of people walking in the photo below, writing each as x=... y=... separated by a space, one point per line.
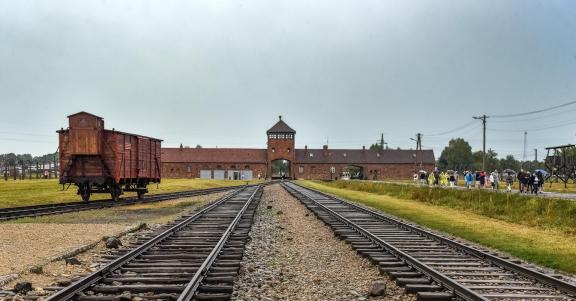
x=529 y=182
x=437 y=178
x=480 y=180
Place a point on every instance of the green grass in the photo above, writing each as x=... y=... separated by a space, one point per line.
x=549 y=246
x=14 y=193
x=545 y=213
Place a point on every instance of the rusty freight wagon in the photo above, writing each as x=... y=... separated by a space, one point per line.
x=97 y=160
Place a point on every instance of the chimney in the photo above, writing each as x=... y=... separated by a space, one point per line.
x=363 y=147
x=325 y=147
x=325 y=150
x=305 y=148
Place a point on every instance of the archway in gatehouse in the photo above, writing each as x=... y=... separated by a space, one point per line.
x=281 y=169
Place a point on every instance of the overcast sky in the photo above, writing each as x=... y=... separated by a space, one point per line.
x=218 y=73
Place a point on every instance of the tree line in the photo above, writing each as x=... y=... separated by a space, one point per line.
x=19 y=159
x=458 y=155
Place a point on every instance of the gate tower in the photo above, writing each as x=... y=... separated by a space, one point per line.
x=281 y=153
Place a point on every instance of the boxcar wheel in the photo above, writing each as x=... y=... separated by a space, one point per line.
x=85 y=196
x=84 y=191
x=115 y=192
x=140 y=194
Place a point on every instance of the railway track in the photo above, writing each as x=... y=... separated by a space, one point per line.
x=195 y=258
x=432 y=266
x=39 y=210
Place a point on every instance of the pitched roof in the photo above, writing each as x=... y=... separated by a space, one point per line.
x=84 y=113
x=358 y=156
x=281 y=127
x=214 y=155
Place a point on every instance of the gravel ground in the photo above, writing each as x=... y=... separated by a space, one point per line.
x=294 y=256
x=25 y=244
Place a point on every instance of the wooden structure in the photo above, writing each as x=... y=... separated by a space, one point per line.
x=561 y=162
x=99 y=160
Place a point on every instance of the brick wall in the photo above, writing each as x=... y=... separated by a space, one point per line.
x=370 y=171
x=281 y=149
x=309 y=172
x=192 y=170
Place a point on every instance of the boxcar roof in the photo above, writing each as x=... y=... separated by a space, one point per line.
x=119 y=132
x=84 y=113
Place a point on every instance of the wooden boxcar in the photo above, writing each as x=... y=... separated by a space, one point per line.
x=97 y=160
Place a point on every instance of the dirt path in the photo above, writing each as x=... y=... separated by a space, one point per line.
x=294 y=256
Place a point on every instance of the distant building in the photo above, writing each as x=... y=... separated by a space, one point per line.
x=281 y=160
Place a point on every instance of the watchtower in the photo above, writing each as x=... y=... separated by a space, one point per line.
x=281 y=153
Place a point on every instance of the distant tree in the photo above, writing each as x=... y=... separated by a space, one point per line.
x=198 y=146
x=457 y=155
x=492 y=161
x=509 y=163
x=25 y=157
x=532 y=165
x=11 y=158
x=375 y=147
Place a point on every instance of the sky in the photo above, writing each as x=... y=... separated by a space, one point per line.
x=220 y=72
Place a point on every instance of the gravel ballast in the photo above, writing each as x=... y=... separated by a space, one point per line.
x=293 y=256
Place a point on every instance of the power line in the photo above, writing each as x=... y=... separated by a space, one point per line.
x=452 y=130
x=533 y=129
x=534 y=118
x=534 y=112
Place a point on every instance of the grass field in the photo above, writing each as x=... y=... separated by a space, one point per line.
x=36 y=192
x=551 y=246
x=546 y=213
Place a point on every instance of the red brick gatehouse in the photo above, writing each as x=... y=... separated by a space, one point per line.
x=282 y=159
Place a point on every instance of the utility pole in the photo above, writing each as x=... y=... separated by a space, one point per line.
x=536 y=154
x=418 y=146
x=483 y=118
x=525 y=146
x=381 y=141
